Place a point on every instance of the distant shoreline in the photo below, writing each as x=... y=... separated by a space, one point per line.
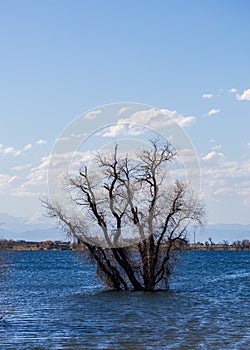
x=214 y=247
x=62 y=246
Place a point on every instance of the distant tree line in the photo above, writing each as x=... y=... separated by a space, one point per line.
x=239 y=244
x=10 y=244
x=6 y=244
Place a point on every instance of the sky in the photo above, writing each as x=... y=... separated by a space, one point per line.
x=60 y=59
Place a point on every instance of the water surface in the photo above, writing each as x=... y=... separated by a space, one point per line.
x=55 y=302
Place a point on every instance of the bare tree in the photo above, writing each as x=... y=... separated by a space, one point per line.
x=142 y=217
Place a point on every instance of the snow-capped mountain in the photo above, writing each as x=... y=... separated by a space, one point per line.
x=34 y=228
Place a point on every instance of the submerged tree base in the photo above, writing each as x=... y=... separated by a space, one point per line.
x=119 y=269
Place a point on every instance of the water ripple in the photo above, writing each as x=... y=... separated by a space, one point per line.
x=58 y=304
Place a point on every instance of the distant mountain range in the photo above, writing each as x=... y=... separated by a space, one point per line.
x=20 y=224
x=35 y=228
x=220 y=232
x=40 y=228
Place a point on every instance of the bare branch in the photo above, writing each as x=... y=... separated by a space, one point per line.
x=133 y=194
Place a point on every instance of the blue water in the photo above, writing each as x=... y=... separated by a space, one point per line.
x=55 y=302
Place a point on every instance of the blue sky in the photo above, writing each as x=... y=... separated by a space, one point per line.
x=61 y=58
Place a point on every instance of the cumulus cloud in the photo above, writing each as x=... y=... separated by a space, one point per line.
x=18 y=192
x=78 y=136
x=225 y=179
x=5 y=182
x=207 y=96
x=213 y=111
x=63 y=139
x=209 y=156
x=71 y=137
x=233 y=90
x=225 y=191
x=212 y=155
x=27 y=147
x=34 y=184
x=41 y=142
x=123 y=109
x=115 y=130
x=38 y=174
x=12 y=150
x=245 y=96
x=21 y=167
x=185 y=121
x=216 y=147
x=9 y=151
x=140 y=121
x=92 y=114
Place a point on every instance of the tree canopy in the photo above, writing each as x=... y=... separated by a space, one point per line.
x=134 y=217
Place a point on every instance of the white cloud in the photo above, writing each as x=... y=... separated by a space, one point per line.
x=92 y=114
x=41 y=142
x=123 y=109
x=216 y=147
x=5 y=182
x=27 y=147
x=71 y=137
x=63 y=139
x=18 y=192
x=212 y=155
x=140 y=121
x=207 y=96
x=21 y=167
x=225 y=191
x=223 y=179
x=114 y=130
x=245 y=96
x=9 y=151
x=213 y=111
x=78 y=136
x=38 y=174
x=12 y=150
x=185 y=121
x=209 y=156
x=233 y=90
x=6 y=150
x=248 y=145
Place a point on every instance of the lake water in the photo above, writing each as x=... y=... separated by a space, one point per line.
x=55 y=302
